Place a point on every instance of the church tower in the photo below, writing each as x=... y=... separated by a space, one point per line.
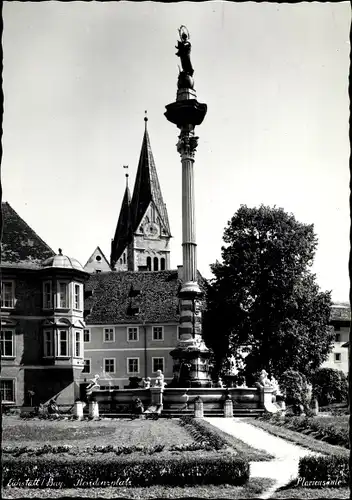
x=142 y=235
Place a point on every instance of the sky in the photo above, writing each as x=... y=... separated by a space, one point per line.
x=78 y=76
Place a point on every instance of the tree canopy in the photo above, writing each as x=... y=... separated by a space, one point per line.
x=264 y=298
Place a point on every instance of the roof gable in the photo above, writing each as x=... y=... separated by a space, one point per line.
x=97 y=262
x=20 y=243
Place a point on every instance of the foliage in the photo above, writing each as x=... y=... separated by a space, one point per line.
x=329 y=386
x=139 y=471
x=294 y=386
x=203 y=433
x=334 y=431
x=325 y=468
x=264 y=298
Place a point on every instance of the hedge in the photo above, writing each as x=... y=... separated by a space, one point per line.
x=146 y=470
x=203 y=432
x=315 y=427
x=333 y=468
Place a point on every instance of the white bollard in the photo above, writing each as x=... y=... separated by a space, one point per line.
x=93 y=409
x=78 y=410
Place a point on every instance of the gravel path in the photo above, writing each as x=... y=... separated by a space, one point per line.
x=283 y=469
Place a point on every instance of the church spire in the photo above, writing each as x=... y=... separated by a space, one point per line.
x=142 y=234
x=123 y=233
x=147 y=187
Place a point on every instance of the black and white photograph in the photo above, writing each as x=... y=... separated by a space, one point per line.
x=175 y=244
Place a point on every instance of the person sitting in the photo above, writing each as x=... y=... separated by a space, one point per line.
x=53 y=409
x=137 y=406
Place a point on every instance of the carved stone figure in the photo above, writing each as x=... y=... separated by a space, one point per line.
x=93 y=386
x=159 y=381
x=264 y=380
x=146 y=383
x=184 y=51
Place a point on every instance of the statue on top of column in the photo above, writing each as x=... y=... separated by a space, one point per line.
x=183 y=47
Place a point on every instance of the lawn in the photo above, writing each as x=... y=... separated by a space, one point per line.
x=312 y=493
x=86 y=433
x=252 y=489
x=81 y=435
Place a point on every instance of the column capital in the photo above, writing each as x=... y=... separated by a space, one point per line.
x=187 y=145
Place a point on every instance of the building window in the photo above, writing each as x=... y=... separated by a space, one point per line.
x=62 y=343
x=337 y=357
x=86 y=335
x=109 y=335
x=337 y=337
x=132 y=334
x=48 y=344
x=86 y=368
x=62 y=296
x=132 y=365
x=7 y=391
x=7 y=294
x=78 y=344
x=158 y=333
x=77 y=296
x=149 y=263
x=109 y=365
x=156 y=264
x=158 y=364
x=47 y=295
x=7 y=343
x=162 y=264
x=124 y=258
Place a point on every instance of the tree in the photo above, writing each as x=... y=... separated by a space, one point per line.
x=264 y=298
x=329 y=386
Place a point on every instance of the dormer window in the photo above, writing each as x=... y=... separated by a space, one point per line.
x=7 y=294
x=47 y=295
x=62 y=295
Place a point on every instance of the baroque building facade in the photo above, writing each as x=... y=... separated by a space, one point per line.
x=42 y=323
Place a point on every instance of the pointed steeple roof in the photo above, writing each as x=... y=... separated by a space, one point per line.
x=147 y=187
x=123 y=233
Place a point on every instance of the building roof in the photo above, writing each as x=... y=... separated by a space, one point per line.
x=147 y=187
x=125 y=297
x=20 y=243
x=340 y=312
x=62 y=262
x=123 y=233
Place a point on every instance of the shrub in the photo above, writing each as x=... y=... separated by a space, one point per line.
x=329 y=386
x=177 y=470
x=203 y=432
x=319 y=428
x=325 y=468
x=295 y=387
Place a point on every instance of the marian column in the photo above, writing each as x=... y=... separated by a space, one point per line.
x=191 y=357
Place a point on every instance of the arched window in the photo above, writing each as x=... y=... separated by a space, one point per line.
x=162 y=264
x=120 y=261
x=156 y=264
x=124 y=258
x=149 y=263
